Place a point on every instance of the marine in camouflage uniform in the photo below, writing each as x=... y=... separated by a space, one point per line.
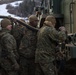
x=27 y=49
x=8 y=52
x=48 y=36
x=18 y=31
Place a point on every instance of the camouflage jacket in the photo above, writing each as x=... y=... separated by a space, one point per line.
x=8 y=46
x=28 y=44
x=18 y=33
x=48 y=36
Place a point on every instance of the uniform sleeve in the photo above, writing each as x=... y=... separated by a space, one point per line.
x=24 y=41
x=9 y=47
x=23 y=45
x=15 y=49
x=56 y=36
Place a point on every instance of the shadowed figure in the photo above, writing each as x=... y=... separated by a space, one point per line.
x=70 y=67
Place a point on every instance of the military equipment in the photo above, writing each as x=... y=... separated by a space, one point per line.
x=22 y=23
x=71 y=46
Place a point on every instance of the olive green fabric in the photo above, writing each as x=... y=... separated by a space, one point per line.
x=5 y=22
x=48 y=37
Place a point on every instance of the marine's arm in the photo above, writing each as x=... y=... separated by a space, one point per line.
x=57 y=35
x=8 y=44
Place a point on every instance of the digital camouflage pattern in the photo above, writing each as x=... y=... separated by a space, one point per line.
x=48 y=37
x=8 y=55
x=27 y=53
x=18 y=32
x=28 y=44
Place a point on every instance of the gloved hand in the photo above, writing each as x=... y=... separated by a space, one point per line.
x=62 y=28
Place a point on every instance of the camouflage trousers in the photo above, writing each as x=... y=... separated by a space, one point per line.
x=27 y=66
x=6 y=67
x=44 y=69
x=6 y=72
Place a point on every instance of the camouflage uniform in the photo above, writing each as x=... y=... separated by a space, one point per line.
x=47 y=39
x=8 y=53
x=18 y=33
x=27 y=53
x=28 y=47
